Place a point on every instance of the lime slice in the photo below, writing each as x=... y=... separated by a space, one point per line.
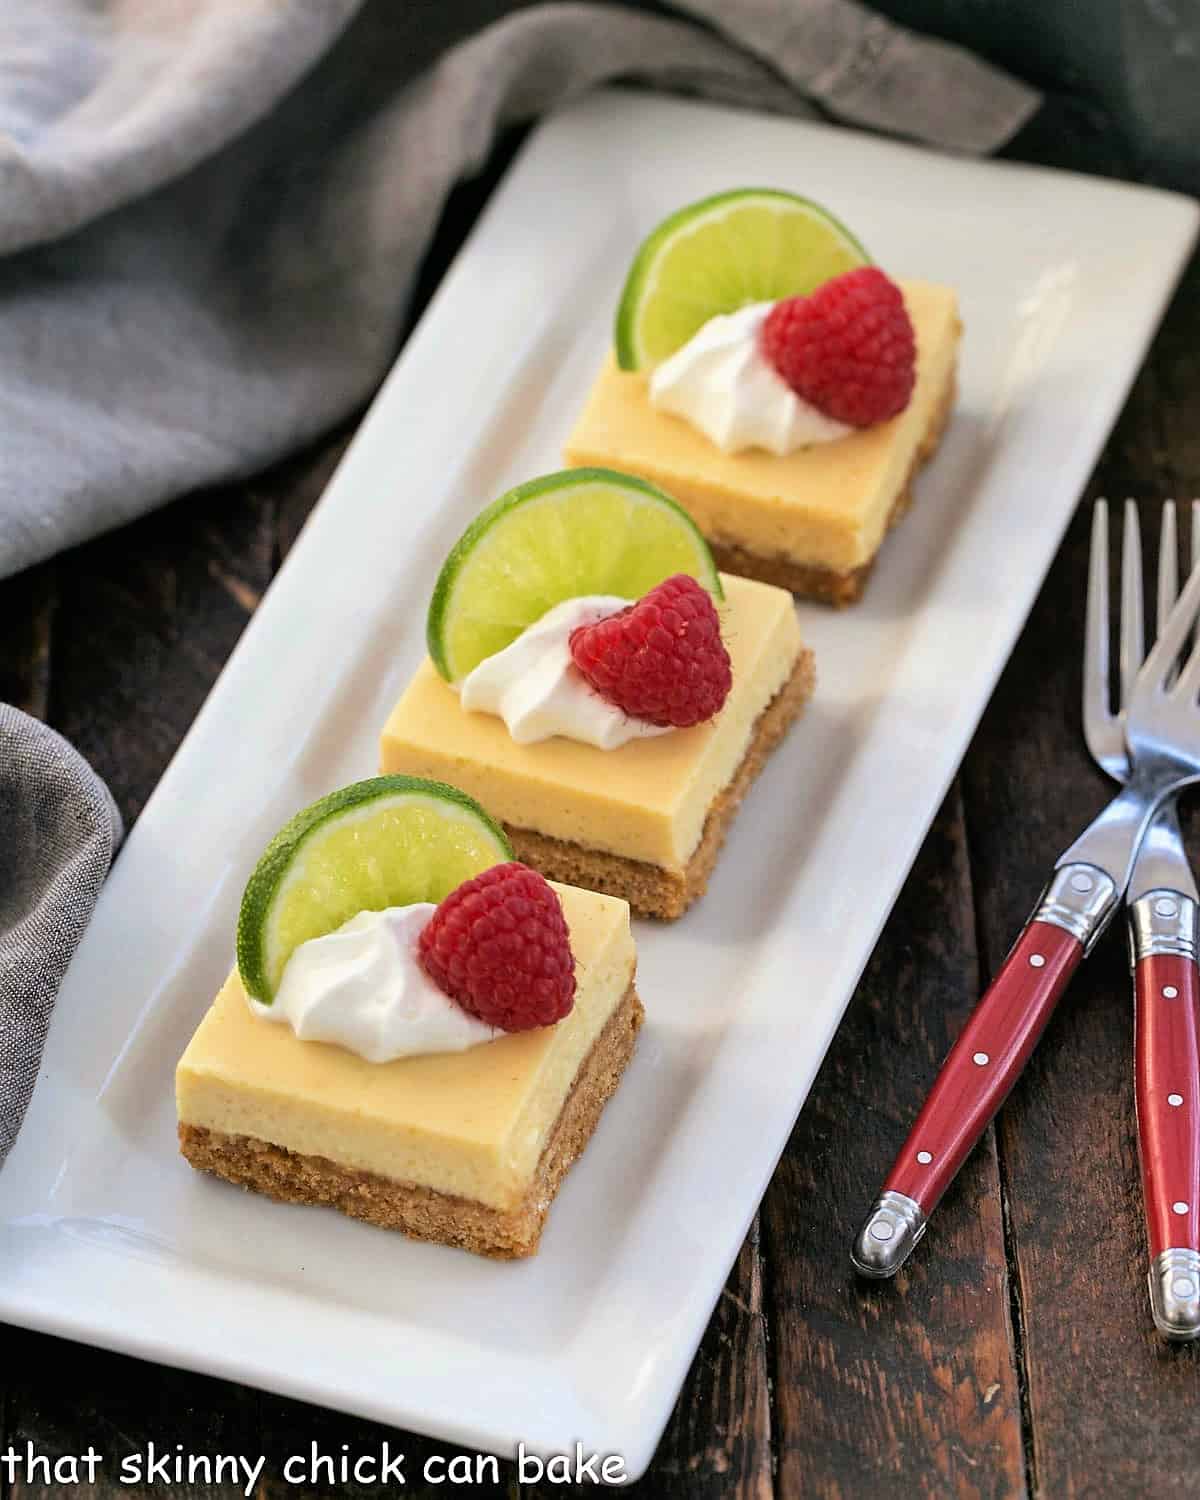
x=385 y=842
x=722 y=253
x=580 y=531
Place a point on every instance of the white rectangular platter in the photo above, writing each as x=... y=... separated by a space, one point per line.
x=105 y=1234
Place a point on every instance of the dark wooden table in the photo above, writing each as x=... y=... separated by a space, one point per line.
x=1016 y=1356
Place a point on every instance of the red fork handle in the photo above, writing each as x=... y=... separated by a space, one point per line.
x=974 y=1081
x=1167 y=993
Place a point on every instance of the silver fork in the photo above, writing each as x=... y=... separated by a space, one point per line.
x=1162 y=736
x=1161 y=905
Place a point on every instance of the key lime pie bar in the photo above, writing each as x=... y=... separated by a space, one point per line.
x=419 y=1031
x=600 y=687
x=780 y=388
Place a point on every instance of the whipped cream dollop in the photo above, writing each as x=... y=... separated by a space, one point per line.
x=721 y=382
x=364 y=988
x=536 y=688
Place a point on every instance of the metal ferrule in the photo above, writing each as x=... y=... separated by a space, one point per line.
x=1175 y=1294
x=888 y=1236
x=1162 y=921
x=1080 y=899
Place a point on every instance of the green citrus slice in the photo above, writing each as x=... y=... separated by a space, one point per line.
x=580 y=531
x=722 y=253
x=385 y=842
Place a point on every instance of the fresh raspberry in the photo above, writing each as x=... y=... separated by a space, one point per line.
x=661 y=659
x=498 y=945
x=848 y=349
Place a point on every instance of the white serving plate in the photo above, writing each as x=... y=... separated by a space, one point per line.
x=105 y=1234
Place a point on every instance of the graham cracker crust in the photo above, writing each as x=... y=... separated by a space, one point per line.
x=823 y=584
x=650 y=890
x=421 y=1212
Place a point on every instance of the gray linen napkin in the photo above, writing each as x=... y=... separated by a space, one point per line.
x=58 y=830
x=211 y=214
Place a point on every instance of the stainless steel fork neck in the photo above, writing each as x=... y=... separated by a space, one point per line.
x=1161 y=862
x=1111 y=842
x=1158 y=773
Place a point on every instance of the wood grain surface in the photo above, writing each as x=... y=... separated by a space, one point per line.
x=1015 y=1356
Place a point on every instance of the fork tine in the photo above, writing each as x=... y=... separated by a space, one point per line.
x=1190 y=675
x=1133 y=609
x=1194 y=554
x=1097 y=709
x=1195 y=532
x=1160 y=662
x=1168 y=564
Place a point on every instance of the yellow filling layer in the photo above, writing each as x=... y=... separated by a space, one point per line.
x=825 y=506
x=647 y=800
x=472 y=1124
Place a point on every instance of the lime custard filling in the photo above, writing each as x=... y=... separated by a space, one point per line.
x=535 y=687
x=363 y=987
x=472 y=1124
x=648 y=802
x=721 y=382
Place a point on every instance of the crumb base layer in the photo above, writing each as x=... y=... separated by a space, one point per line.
x=651 y=890
x=421 y=1212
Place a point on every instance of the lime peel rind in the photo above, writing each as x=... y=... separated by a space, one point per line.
x=557 y=564
x=642 y=282
x=260 y=959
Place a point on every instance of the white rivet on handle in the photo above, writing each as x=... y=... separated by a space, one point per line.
x=1169 y=992
x=981 y=1059
x=1180 y=1208
x=1037 y=960
x=924 y=1157
x=1174 y=1100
